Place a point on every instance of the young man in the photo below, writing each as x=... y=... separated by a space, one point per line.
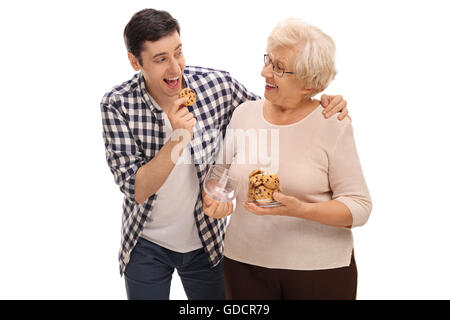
x=163 y=226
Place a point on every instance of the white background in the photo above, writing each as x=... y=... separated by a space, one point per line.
x=60 y=211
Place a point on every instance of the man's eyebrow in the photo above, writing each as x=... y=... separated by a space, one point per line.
x=159 y=54
x=164 y=53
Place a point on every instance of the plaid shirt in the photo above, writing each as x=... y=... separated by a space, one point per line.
x=133 y=135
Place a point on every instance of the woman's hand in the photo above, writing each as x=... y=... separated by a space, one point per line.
x=334 y=104
x=216 y=209
x=291 y=206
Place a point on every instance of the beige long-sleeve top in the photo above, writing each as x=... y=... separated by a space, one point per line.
x=317 y=161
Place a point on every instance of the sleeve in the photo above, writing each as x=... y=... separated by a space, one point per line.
x=346 y=177
x=240 y=94
x=227 y=145
x=122 y=152
x=237 y=95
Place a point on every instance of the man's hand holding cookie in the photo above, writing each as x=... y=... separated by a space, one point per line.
x=179 y=115
x=190 y=94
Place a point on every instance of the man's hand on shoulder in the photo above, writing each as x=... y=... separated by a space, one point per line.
x=333 y=105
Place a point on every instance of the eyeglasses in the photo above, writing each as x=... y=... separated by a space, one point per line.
x=278 y=71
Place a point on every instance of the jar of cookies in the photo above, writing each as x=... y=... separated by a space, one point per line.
x=261 y=186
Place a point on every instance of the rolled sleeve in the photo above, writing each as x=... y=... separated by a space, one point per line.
x=346 y=177
x=122 y=153
x=239 y=93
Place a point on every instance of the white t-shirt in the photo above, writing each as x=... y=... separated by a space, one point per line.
x=171 y=224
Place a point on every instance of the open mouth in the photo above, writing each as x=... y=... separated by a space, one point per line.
x=172 y=83
x=270 y=86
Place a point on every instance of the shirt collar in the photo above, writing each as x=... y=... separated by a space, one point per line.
x=146 y=96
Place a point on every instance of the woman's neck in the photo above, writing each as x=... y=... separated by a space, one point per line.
x=284 y=115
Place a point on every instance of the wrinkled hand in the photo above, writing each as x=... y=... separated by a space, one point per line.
x=216 y=209
x=291 y=206
x=333 y=105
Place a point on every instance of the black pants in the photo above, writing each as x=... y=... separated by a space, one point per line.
x=149 y=273
x=245 y=281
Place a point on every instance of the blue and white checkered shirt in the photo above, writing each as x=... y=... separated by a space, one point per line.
x=133 y=135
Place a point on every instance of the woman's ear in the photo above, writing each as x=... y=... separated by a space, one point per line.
x=307 y=92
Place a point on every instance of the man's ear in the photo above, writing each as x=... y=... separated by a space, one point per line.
x=134 y=62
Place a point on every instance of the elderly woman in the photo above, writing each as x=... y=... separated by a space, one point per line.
x=304 y=248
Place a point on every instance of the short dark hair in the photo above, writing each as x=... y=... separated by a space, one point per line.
x=148 y=25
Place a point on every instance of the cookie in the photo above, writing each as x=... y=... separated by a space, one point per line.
x=262 y=192
x=254 y=172
x=257 y=180
x=261 y=185
x=271 y=181
x=188 y=93
x=251 y=194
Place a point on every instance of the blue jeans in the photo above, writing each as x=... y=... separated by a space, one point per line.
x=149 y=272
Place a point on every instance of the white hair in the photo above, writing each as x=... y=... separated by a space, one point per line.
x=314 y=63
